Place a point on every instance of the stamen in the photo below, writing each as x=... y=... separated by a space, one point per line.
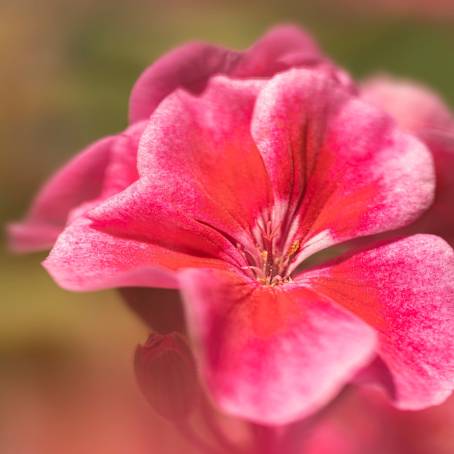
x=294 y=248
x=266 y=260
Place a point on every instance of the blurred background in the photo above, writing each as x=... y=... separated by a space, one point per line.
x=67 y=69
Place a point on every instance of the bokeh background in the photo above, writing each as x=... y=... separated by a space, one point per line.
x=66 y=71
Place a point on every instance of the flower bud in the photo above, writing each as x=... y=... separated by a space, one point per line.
x=166 y=374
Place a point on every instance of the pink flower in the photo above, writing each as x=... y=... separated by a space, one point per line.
x=237 y=187
x=109 y=165
x=421 y=112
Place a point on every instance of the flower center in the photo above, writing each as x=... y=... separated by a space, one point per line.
x=267 y=260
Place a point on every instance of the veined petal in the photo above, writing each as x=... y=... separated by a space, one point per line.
x=200 y=149
x=339 y=166
x=202 y=186
x=271 y=354
x=142 y=228
x=84 y=258
x=405 y=290
x=156 y=213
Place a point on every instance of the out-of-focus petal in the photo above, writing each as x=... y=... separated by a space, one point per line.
x=283 y=47
x=189 y=66
x=122 y=169
x=192 y=65
x=101 y=170
x=79 y=181
x=415 y=108
x=420 y=111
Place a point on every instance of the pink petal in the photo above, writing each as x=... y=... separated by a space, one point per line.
x=405 y=290
x=122 y=169
x=106 y=167
x=199 y=150
x=149 y=212
x=283 y=47
x=192 y=65
x=415 y=108
x=324 y=149
x=189 y=66
x=270 y=354
x=77 y=182
x=190 y=202
x=84 y=258
x=422 y=112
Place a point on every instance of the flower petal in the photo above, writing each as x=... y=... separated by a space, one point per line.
x=122 y=169
x=192 y=65
x=104 y=168
x=271 y=354
x=405 y=290
x=190 y=198
x=282 y=47
x=79 y=181
x=422 y=112
x=189 y=66
x=84 y=258
x=200 y=150
x=325 y=149
x=415 y=108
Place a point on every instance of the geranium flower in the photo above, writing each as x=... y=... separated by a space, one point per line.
x=420 y=111
x=109 y=165
x=237 y=187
